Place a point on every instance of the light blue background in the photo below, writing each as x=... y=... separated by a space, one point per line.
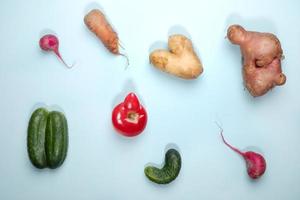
x=103 y=165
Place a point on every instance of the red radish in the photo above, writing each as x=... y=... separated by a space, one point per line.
x=50 y=42
x=256 y=164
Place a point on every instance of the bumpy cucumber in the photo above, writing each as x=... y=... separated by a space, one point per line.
x=36 y=138
x=170 y=170
x=47 y=140
x=56 y=139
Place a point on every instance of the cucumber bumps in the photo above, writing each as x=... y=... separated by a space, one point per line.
x=47 y=139
x=170 y=170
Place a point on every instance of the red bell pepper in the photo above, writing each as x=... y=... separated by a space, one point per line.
x=129 y=117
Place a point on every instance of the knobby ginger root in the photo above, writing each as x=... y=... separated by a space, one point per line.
x=180 y=60
x=262 y=56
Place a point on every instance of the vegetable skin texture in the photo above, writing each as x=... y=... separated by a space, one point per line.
x=51 y=43
x=98 y=24
x=36 y=138
x=255 y=163
x=262 y=54
x=170 y=170
x=47 y=139
x=56 y=139
x=130 y=117
x=180 y=60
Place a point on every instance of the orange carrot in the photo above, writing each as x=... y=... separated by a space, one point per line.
x=97 y=23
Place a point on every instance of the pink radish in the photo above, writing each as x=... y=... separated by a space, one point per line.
x=256 y=164
x=50 y=42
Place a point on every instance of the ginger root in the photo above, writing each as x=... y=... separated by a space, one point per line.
x=180 y=60
x=262 y=56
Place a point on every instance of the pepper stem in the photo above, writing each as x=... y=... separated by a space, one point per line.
x=132 y=117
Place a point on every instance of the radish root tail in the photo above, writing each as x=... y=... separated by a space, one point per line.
x=226 y=143
x=62 y=60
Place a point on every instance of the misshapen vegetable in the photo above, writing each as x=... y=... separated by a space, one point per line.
x=170 y=170
x=97 y=23
x=36 y=138
x=51 y=43
x=255 y=163
x=56 y=144
x=262 y=56
x=47 y=139
x=129 y=117
x=180 y=60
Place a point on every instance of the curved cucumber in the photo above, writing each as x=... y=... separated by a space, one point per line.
x=36 y=138
x=170 y=170
x=47 y=140
x=56 y=139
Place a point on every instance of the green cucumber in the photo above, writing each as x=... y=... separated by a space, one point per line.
x=36 y=138
x=170 y=170
x=47 y=140
x=56 y=139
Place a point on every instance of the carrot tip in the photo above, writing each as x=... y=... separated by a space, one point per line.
x=127 y=59
x=121 y=46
